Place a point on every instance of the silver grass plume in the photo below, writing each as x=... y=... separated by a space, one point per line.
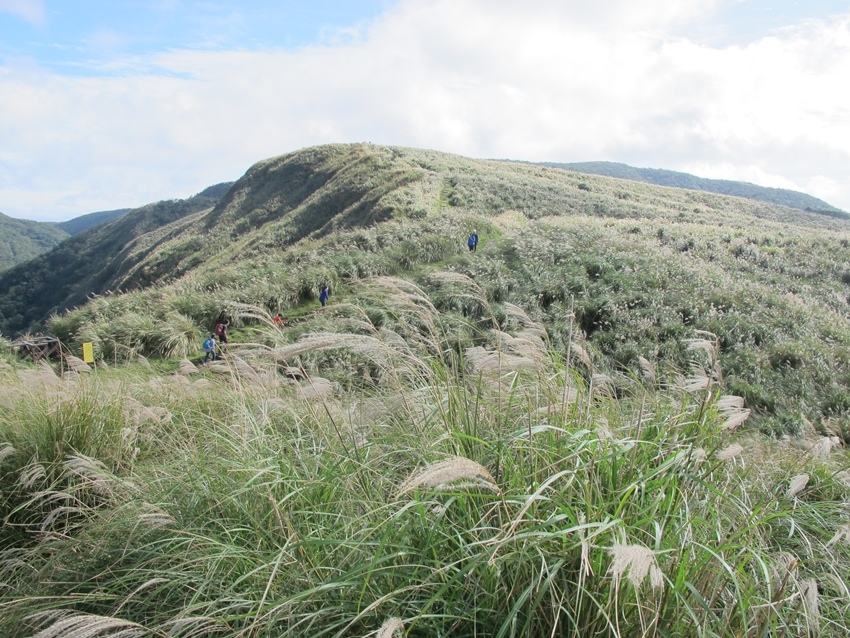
x=733 y=408
x=245 y=371
x=154 y=517
x=67 y=624
x=407 y=301
x=809 y=594
x=602 y=384
x=193 y=627
x=530 y=326
x=797 y=484
x=372 y=348
x=186 y=368
x=199 y=387
x=697 y=382
x=730 y=452
x=471 y=289
x=582 y=355
x=702 y=344
x=483 y=360
x=93 y=472
x=639 y=561
x=315 y=388
x=824 y=445
x=31 y=475
x=841 y=533
x=729 y=404
x=450 y=471
x=6 y=450
x=603 y=430
x=648 y=369
x=390 y=627
x=525 y=344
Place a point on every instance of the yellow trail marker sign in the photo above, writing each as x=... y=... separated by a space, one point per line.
x=88 y=352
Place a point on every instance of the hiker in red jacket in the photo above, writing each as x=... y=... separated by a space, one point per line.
x=221 y=331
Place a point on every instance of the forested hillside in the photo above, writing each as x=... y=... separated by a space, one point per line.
x=21 y=240
x=88 y=263
x=84 y=222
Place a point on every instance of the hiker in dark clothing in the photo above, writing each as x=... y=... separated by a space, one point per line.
x=221 y=331
x=472 y=242
x=323 y=296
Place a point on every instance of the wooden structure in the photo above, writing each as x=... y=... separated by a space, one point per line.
x=37 y=348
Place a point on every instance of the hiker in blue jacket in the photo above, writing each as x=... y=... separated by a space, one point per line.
x=209 y=349
x=472 y=242
x=323 y=296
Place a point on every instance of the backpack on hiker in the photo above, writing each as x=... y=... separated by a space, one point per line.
x=219 y=329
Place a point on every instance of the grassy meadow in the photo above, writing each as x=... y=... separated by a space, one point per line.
x=627 y=414
x=402 y=470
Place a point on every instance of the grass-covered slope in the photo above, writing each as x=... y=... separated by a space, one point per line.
x=779 y=196
x=639 y=267
x=21 y=240
x=384 y=468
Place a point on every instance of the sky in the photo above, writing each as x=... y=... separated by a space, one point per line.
x=109 y=104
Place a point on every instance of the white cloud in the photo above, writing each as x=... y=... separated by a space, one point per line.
x=30 y=10
x=539 y=80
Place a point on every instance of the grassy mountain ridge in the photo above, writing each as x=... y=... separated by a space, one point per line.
x=21 y=240
x=663 y=177
x=321 y=190
x=638 y=267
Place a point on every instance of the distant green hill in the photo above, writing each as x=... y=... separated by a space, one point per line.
x=84 y=264
x=780 y=196
x=84 y=222
x=21 y=239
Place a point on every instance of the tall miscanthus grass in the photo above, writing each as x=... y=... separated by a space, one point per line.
x=45 y=424
x=471 y=493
